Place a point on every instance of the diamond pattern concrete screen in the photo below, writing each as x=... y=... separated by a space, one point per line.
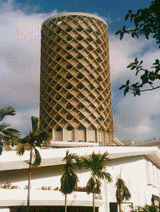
x=75 y=91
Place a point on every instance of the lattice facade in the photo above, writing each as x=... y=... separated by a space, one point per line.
x=75 y=91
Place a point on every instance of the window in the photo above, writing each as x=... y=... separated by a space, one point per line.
x=69 y=117
x=88 y=30
x=79 y=47
x=80 y=57
x=80 y=96
x=69 y=38
x=79 y=29
x=58 y=107
x=80 y=128
x=58 y=78
x=69 y=128
x=79 y=38
x=59 y=129
x=58 y=31
x=58 y=118
x=69 y=57
x=80 y=76
x=69 y=86
x=69 y=76
x=58 y=59
x=99 y=119
x=69 y=107
x=69 y=48
x=80 y=66
x=90 y=128
x=59 y=39
x=69 y=96
x=69 y=67
x=80 y=86
x=68 y=29
x=80 y=107
x=81 y=117
x=58 y=87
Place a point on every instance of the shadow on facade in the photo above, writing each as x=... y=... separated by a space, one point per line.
x=53 y=209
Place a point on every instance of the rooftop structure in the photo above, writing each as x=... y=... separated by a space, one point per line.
x=75 y=91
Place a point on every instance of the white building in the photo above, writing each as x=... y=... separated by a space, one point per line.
x=139 y=168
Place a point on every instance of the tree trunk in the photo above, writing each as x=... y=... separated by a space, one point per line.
x=119 y=207
x=93 y=202
x=65 y=202
x=29 y=181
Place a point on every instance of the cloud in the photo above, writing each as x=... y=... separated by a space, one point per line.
x=20 y=55
x=134 y=118
x=22 y=120
x=20 y=62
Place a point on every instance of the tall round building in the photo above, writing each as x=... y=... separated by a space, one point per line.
x=75 y=90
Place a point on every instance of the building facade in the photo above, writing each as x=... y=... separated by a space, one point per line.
x=139 y=167
x=75 y=91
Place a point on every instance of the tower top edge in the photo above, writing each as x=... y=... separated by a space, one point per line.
x=75 y=14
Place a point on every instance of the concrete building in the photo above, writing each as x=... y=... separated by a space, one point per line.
x=75 y=95
x=139 y=167
x=75 y=107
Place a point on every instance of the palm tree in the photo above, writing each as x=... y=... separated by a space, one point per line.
x=122 y=192
x=8 y=136
x=36 y=138
x=69 y=178
x=95 y=162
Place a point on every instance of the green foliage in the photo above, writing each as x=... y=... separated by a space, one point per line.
x=95 y=162
x=8 y=136
x=146 y=208
x=36 y=138
x=147 y=78
x=8 y=185
x=122 y=191
x=69 y=179
x=147 y=23
x=93 y=186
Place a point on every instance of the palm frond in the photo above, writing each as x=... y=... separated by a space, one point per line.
x=37 y=160
x=6 y=111
x=107 y=176
x=93 y=185
x=35 y=123
x=20 y=149
x=68 y=182
x=90 y=185
x=1 y=147
x=122 y=191
x=69 y=179
x=3 y=126
x=12 y=133
x=43 y=138
x=103 y=157
x=127 y=194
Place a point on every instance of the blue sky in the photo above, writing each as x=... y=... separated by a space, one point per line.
x=20 y=24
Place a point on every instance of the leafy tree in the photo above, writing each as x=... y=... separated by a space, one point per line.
x=95 y=162
x=122 y=192
x=146 y=23
x=8 y=136
x=146 y=208
x=36 y=138
x=69 y=178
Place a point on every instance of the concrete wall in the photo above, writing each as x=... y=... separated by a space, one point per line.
x=134 y=171
x=139 y=173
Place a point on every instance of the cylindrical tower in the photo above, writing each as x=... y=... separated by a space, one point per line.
x=75 y=91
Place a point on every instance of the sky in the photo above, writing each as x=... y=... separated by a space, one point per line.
x=135 y=118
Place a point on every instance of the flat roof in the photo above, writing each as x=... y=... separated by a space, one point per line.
x=53 y=156
x=75 y=14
